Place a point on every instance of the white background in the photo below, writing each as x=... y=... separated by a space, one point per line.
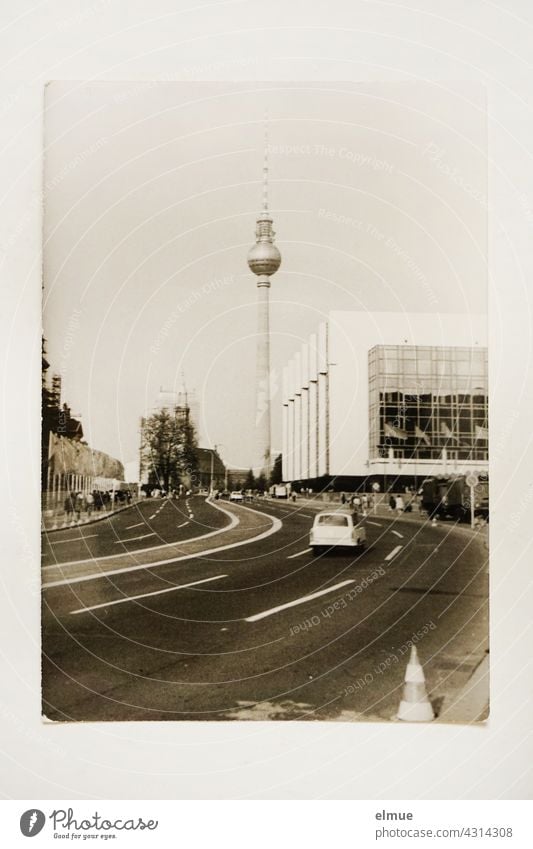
x=485 y=42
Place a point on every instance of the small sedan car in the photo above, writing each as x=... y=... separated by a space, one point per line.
x=236 y=496
x=337 y=528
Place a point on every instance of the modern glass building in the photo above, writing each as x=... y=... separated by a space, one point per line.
x=380 y=396
x=424 y=401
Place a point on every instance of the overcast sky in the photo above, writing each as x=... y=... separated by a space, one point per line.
x=151 y=191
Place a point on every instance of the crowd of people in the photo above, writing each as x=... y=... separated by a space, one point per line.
x=77 y=503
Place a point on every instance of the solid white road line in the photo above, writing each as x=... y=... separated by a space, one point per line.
x=398 y=534
x=138 y=525
x=134 y=539
x=146 y=595
x=299 y=553
x=168 y=545
x=394 y=552
x=277 y=524
x=73 y=539
x=377 y=524
x=257 y=616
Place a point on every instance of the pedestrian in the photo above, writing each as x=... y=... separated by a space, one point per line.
x=392 y=503
x=343 y=498
x=69 y=505
x=356 y=501
x=89 y=499
x=399 y=504
x=79 y=505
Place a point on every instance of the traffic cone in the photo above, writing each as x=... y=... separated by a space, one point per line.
x=434 y=522
x=415 y=705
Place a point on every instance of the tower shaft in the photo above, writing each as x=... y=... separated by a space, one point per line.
x=263 y=380
x=264 y=260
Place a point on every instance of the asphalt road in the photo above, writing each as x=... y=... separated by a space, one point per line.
x=247 y=624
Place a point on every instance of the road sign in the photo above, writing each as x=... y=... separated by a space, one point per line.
x=375 y=486
x=472 y=480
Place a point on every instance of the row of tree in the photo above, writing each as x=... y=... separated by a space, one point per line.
x=261 y=483
x=169 y=449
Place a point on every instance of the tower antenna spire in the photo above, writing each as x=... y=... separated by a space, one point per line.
x=265 y=164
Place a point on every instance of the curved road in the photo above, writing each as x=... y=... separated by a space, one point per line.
x=249 y=624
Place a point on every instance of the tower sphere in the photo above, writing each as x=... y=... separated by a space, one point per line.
x=264 y=258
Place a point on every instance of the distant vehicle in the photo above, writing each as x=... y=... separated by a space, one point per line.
x=236 y=496
x=449 y=497
x=337 y=528
x=279 y=491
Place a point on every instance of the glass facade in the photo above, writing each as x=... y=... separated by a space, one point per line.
x=423 y=400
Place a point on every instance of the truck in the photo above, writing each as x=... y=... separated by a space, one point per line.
x=279 y=490
x=448 y=496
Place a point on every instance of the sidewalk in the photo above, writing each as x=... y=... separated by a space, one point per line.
x=381 y=511
x=472 y=701
x=56 y=520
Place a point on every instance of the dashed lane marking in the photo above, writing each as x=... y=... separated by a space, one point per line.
x=72 y=539
x=183 y=524
x=146 y=595
x=394 y=552
x=151 y=517
x=138 y=525
x=303 y=600
x=377 y=524
x=168 y=545
x=299 y=553
x=277 y=524
x=398 y=534
x=134 y=539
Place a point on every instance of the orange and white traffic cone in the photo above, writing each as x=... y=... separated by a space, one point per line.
x=415 y=705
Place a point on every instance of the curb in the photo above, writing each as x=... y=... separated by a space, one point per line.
x=471 y=704
x=92 y=521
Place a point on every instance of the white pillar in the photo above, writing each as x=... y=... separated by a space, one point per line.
x=313 y=429
x=290 y=441
x=284 y=440
x=305 y=434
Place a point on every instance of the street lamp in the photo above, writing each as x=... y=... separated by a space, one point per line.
x=213 y=451
x=212 y=470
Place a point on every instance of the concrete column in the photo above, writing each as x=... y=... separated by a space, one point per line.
x=313 y=429
x=284 y=439
x=323 y=447
x=290 y=441
x=305 y=433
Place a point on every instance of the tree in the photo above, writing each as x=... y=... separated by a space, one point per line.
x=169 y=448
x=249 y=481
x=261 y=482
x=277 y=474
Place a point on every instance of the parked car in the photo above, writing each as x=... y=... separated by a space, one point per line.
x=335 y=529
x=236 y=496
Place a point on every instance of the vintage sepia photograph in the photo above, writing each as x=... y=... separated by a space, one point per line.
x=265 y=423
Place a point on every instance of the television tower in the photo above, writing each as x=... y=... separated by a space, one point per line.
x=264 y=259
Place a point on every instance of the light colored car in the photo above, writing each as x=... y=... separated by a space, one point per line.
x=337 y=528
x=236 y=496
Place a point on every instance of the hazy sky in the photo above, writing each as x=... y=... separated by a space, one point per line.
x=151 y=191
